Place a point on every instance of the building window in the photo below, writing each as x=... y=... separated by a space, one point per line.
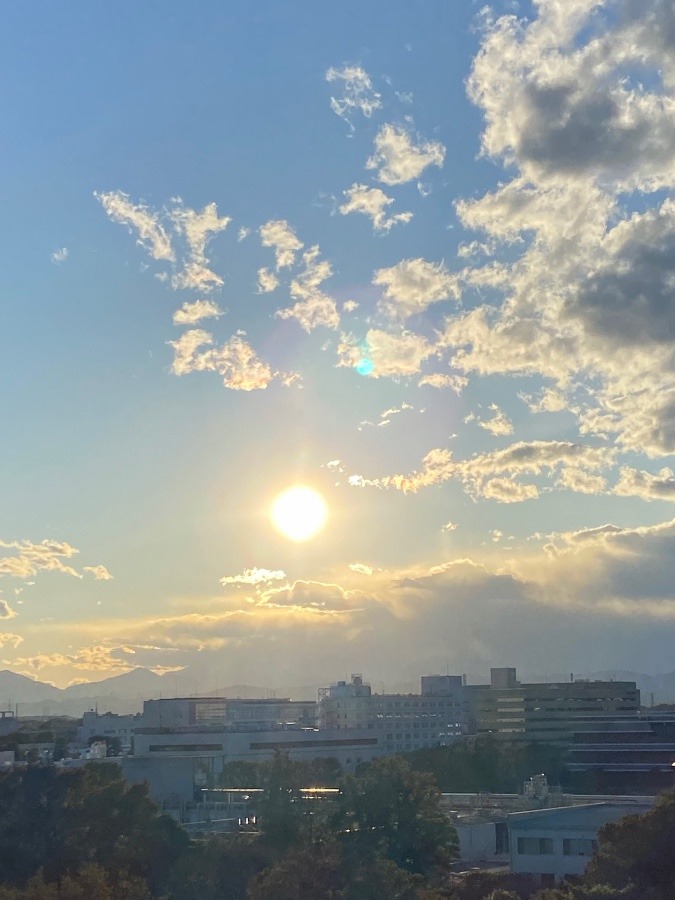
x=579 y=846
x=532 y=846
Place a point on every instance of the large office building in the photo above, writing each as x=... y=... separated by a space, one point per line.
x=228 y=713
x=549 y=712
x=439 y=715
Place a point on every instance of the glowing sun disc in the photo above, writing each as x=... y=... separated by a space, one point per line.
x=299 y=513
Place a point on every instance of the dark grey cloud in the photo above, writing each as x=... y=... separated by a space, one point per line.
x=631 y=299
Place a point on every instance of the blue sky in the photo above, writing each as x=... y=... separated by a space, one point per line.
x=488 y=196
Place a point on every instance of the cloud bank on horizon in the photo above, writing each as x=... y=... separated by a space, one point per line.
x=523 y=374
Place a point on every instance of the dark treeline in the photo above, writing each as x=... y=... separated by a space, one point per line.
x=86 y=833
x=487 y=764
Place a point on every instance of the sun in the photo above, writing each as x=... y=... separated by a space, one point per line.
x=299 y=513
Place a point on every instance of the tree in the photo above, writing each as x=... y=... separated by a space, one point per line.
x=92 y=882
x=218 y=867
x=638 y=851
x=61 y=821
x=326 y=871
x=116 y=825
x=281 y=808
x=395 y=812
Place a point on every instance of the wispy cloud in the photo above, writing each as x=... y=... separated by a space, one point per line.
x=398 y=158
x=372 y=202
x=267 y=281
x=254 y=577
x=456 y=383
x=194 y=311
x=279 y=235
x=235 y=360
x=151 y=234
x=483 y=475
x=358 y=95
x=59 y=256
x=312 y=307
x=499 y=424
x=100 y=573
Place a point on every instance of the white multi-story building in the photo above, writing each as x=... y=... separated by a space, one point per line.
x=107 y=726
x=403 y=722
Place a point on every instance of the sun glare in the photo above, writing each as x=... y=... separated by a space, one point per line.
x=299 y=513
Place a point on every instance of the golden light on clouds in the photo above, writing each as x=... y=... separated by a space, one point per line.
x=299 y=513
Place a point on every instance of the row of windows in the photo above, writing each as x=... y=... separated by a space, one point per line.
x=400 y=704
x=533 y=846
x=540 y=846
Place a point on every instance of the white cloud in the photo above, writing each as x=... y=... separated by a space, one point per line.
x=399 y=159
x=580 y=102
x=374 y=203
x=506 y=490
x=151 y=234
x=361 y=568
x=100 y=573
x=243 y=233
x=449 y=526
x=387 y=354
x=267 y=281
x=580 y=481
x=198 y=228
x=6 y=611
x=564 y=107
x=313 y=308
x=638 y=483
x=358 y=94
x=7 y=637
x=550 y=400
x=254 y=577
x=60 y=255
x=412 y=285
x=279 y=235
x=489 y=474
x=456 y=383
x=499 y=424
x=192 y=312
x=235 y=360
x=30 y=558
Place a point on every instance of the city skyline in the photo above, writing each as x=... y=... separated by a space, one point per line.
x=420 y=262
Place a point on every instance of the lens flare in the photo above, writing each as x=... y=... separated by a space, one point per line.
x=365 y=366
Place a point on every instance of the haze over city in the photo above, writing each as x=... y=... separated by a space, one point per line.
x=416 y=259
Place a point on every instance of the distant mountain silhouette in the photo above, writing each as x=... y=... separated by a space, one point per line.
x=16 y=688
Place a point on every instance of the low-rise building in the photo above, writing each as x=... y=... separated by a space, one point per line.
x=107 y=726
x=228 y=712
x=557 y=843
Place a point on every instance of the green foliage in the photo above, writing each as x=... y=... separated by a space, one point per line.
x=241 y=774
x=92 y=883
x=488 y=764
x=327 y=871
x=394 y=812
x=281 y=808
x=62 y=821
x=638 y=851
x=218 y=867
x=117 y=825
x=480 y=885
